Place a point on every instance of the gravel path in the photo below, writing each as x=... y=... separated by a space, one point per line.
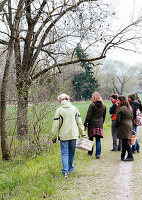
x=106 y=179
x=123 y=182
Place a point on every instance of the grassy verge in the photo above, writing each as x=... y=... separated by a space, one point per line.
x=41 y=177
x=31 y=179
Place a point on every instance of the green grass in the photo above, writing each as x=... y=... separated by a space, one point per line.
x=33 y=178
x=83 y=107
x=40 y=177
x=46 y=123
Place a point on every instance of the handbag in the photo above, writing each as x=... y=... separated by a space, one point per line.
x=84 y=144
x=138 y=120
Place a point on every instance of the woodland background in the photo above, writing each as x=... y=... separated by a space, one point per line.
x=56 y=46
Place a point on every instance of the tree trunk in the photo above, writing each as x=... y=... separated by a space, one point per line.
x=122 y=88
x=4 y=139
x=22 y=112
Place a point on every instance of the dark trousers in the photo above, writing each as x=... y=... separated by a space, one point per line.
x=126 y=147
x=114 y=137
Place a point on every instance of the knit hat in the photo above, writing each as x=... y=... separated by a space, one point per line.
x=132 y=97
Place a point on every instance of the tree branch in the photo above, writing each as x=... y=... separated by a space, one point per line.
x=39 y=12
x=63 y=64
x=118 y=92
x=3 y=42
x=110 y=44
x=2 y=4
x=52 y=24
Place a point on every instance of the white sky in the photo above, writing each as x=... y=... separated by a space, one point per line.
x=127 y=10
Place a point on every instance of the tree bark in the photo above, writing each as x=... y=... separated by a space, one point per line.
x=13 y=26
x=4 y=139
x=22 y=110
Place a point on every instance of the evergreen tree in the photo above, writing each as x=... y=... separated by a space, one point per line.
x=84 y=83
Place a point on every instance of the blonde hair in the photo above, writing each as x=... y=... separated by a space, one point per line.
x=62 y=97
x=96 y=97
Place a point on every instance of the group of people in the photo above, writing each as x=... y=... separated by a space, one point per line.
x=123 y=115
x=67 y=126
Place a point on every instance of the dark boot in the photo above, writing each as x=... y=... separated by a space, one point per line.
x=129 y=159
x=122 y=156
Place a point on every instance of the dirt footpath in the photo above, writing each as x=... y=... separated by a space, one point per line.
x=125 y=180
x=106 y=179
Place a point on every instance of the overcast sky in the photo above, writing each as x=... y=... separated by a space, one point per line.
x=127 y=10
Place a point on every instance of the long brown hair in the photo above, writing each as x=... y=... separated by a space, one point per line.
x=124 y=101
x=96 y=97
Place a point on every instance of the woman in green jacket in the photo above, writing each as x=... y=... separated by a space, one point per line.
x=124 y=126
x=67 y=126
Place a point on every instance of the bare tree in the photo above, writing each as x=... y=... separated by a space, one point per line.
x=117 y=77
x=123 y=76
x=48 y=34
x=13 y=25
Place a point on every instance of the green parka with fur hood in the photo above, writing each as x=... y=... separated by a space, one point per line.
x=67 y=124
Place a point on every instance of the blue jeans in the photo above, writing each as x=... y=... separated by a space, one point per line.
x=136 y=146
x=67 y=155
x=98 y=146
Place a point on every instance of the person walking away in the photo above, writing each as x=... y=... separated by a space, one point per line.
x=138 y=100
x=94 y=122
x=135 y=105
x=67 y=125
x=112 y=111
x=124 y=127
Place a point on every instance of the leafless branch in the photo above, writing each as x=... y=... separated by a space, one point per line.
x=64 y=64
x=3 y=42
x=111 y=43
x=2 y=4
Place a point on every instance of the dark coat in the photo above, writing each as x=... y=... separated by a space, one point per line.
x=135 y=106
x=124 y=122
x=140 y=106
x=96 y=115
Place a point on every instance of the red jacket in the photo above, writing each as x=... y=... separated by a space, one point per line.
x=113 y=110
